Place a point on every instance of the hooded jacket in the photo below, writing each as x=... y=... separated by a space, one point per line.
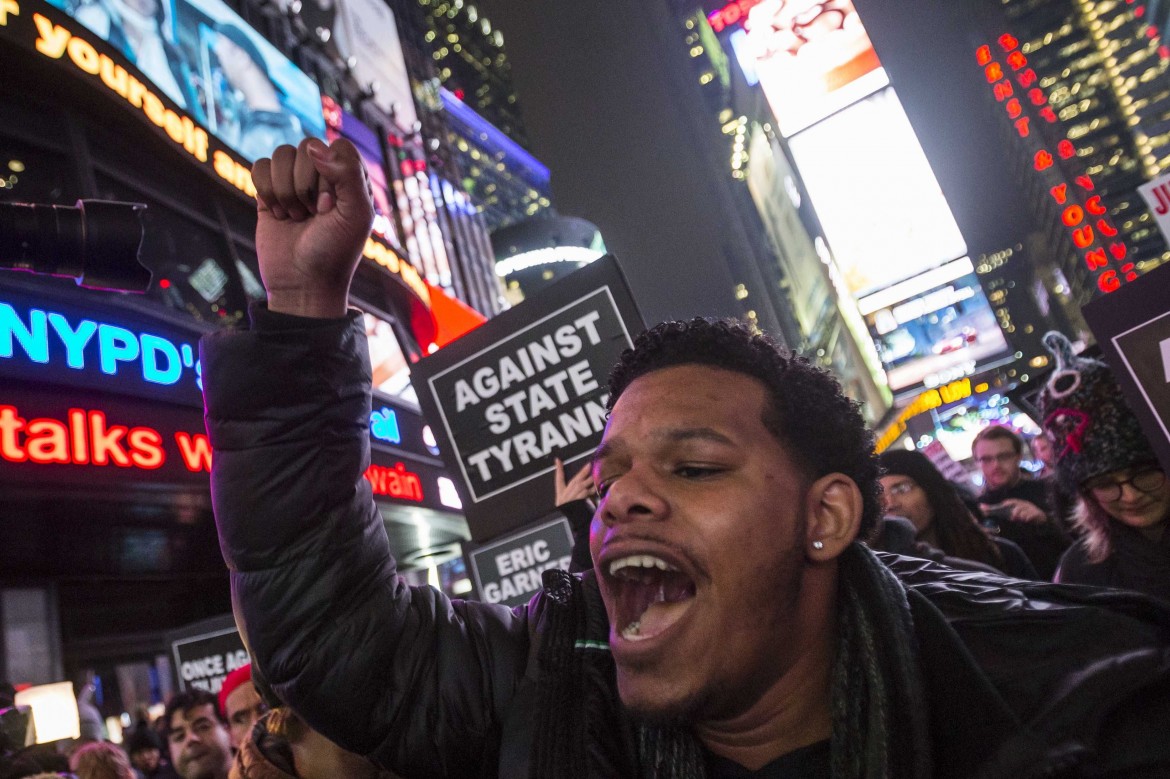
x=1022 y=679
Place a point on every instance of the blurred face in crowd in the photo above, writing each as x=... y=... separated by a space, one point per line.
x=1043 y=449
x=1138 y=497
x=146 y=760
x=243 y=707
x=904 y=498
x=698 y=544
x=999 y=461
x=199 y=743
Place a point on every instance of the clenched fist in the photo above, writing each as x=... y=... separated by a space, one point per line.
x=315 y=211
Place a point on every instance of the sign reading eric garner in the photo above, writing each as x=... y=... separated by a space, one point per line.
x=508 y=570
x=524 y=388
x=1132 y=326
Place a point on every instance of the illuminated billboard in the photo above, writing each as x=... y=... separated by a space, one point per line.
x=933 y=328
x=881 y=207
x=212 y=65
x=364 y=32
x=812 y=58
x=391 y=371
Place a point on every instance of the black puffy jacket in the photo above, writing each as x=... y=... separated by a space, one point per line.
x=1023 y=679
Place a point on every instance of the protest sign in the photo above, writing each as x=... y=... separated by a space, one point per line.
x=1156 y=193
x=508 y=570
x=525 y=388
x=204 y=653
x=1132 y=326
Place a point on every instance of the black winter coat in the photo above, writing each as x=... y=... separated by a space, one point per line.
x=1023 y=679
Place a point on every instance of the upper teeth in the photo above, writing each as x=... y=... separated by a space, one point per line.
x=639 y=561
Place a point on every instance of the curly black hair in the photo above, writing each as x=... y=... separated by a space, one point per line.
x=809 y=414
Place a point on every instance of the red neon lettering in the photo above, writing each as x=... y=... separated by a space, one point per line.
x=1014 y=108
x=1085 y=183
x=1017 y=60
x=983 y=55
x=993 y=72
x=77 y=432
x=1073 y=216
x=1107 y=229
x=1096 y=259
x=1129 y=271
x=1003 y=90
x=1042 y=160
x=1027 y=78
x=195 y=451
x=1118 y=251
x=106 y=441
x=1093 y=205
x=1036 y=95
x=10 y=425
x=397 y=482
x=1066 y=150
x=1060 y=193
x=1007 y=42
x=146 y=448
x=1048 y=114
x=46 y=442
x=1023 y=126
x=1082 y=237
x=85 y=437
x=1108 y=282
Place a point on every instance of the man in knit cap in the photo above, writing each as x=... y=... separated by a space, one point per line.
x=240 y=704
x=731 y=625
x=1103 y=455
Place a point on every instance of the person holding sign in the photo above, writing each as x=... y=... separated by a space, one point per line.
x=732 y=624
x=1104 y=457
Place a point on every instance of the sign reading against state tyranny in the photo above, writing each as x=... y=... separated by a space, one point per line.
x=1132 y=326
x=525 y=388
x=508 y=571
x=206 y=652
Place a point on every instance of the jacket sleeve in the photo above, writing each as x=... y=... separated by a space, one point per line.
x=404 y=675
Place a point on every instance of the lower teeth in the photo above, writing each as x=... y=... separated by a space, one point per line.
x=633 y=630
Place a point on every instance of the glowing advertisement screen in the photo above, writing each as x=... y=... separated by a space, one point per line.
x=811 y=58
x=881 y=207
x=213 y=66
x=365 y=31
x=391 y=371
x=933 y=328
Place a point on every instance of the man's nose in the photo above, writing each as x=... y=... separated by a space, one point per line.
x=631 y=497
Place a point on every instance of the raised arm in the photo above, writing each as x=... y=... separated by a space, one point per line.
x=404 y=675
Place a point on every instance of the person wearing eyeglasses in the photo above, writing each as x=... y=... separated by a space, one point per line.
x=1124 y=495
x=1016 y=508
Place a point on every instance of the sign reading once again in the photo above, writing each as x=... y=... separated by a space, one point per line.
x=508 y=571
x=206 y=652
x=1132 y=327
x=525 y=388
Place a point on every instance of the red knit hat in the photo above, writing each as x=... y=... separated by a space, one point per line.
x=233 y=680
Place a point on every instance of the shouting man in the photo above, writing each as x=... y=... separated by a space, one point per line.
x=732 y=624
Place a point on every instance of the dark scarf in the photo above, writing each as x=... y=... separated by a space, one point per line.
x=880 y=722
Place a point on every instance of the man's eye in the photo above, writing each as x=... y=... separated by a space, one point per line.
x=696 y=471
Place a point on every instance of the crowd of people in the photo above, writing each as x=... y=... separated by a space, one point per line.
x=763 y=595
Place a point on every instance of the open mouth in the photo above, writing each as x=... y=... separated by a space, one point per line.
x=647 y=594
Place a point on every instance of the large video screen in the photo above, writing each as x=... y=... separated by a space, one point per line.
x=365 y=31
x=812 y=57
x=881 y=207
x=933 y=328
x=213 y=65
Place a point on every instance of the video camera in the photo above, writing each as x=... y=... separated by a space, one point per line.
x=96 y=242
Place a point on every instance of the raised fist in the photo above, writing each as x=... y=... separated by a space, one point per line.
x=315 y=211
